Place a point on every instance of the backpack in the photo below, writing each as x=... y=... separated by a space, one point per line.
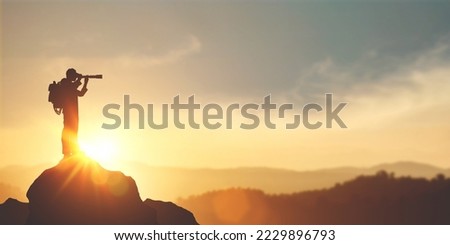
x=55 y=96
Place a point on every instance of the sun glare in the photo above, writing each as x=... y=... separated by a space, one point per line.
x=103 y=150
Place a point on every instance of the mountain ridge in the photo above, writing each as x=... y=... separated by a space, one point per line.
x=380 y=199
x=201 y=180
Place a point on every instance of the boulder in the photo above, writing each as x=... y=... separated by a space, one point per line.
x=168 y=213
x=13 y=212
x=79 y=191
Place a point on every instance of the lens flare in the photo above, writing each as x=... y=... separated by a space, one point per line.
x=102 y=150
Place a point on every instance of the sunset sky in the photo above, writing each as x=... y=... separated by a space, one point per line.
x=389 y=61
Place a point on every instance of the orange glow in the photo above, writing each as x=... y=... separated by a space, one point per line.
x=231 y=209
x=103 y=150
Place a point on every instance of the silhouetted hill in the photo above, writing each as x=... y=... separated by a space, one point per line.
x=152 y=181
x=168 y=213
x=186 y=182
x=13 y=212
x=79 y=191
x=379 y=199
x=411 y=169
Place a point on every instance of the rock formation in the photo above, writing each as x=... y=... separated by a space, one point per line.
x=79 y=191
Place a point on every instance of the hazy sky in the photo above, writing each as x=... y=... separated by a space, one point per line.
x=389 y=61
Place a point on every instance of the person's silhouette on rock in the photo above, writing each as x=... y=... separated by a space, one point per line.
x=70 y=94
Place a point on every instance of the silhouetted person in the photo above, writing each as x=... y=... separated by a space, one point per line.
x=70 y=94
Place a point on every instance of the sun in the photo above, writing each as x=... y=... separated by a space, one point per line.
x=102 y=150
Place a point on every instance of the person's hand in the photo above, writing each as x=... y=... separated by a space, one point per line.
x=78 y=77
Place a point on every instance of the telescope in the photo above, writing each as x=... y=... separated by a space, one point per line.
x=92 y=76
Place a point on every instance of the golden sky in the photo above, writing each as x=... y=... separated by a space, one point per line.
x=389 y=61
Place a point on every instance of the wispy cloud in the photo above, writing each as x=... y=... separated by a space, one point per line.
x=189 y=47
x=415 y=84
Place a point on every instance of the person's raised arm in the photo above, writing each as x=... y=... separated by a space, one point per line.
x=77 y=81
x=84 y=89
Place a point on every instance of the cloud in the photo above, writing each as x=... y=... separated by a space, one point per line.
x=190 y=47
x=141 y=56
x=376 y=96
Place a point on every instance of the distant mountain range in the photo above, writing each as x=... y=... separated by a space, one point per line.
x=379 y=199
x=171 y=183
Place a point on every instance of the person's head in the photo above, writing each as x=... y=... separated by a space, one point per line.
x=71 y=74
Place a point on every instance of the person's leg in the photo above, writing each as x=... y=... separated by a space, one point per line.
x=69 y=135
x=65 y=139
x=74 y=135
